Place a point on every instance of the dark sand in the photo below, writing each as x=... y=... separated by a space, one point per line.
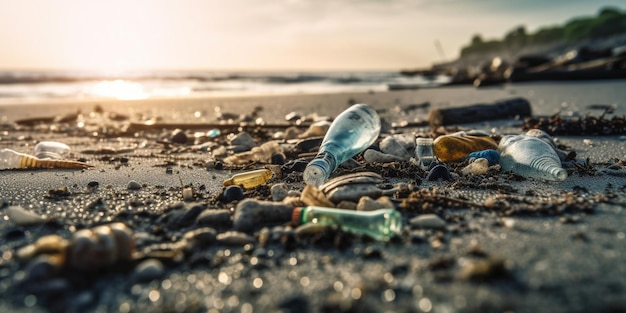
x=561 y=248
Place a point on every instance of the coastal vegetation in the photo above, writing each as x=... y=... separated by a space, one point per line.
x=609 y=22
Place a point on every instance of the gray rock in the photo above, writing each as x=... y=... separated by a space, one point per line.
x=243 y=139
x=390 y=145
x=178 y=136
x=201 y=237
x=373 y=156
x=368 y=204
x=429 y=221
x=279 y=192
x=235 y=238
x=215 y=218
x=133 y=185
x=251 y=214
x=148 y=270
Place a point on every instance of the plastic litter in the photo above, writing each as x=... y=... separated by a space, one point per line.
x=51 y=150
x=424 y=152
x=250 y=179
x=530 y=156
x=457 y=146
x=10 y=159
x=379 y=224
x=350 y=133
x=492 y=156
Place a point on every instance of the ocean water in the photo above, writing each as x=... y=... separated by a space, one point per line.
x=36 y=86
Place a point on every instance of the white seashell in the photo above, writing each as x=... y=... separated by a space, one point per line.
x=23 y=217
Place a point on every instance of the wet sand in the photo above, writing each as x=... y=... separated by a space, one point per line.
x=555 y=247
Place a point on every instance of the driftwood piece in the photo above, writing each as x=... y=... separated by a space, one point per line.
x=480 y=112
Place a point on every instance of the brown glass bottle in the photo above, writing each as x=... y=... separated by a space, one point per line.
x=457 y=146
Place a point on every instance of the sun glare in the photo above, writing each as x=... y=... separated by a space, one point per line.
x=119 y=89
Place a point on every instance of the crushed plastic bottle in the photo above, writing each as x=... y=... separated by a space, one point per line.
x=424 y=153
x=351 y=132
x=10 y=159
x=250 y=179
x=531 y=157
x=457 y=146
x=380 y=224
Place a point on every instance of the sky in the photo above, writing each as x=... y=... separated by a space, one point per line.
x=118 y=35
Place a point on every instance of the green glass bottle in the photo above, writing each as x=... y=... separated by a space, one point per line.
x=379 y=224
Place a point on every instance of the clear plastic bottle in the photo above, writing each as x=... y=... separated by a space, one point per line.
x=10 y=159
x=51 y=150
x=250 y=179
x=457 y=146
x=351 y=132
x=424 y=152
x=530 y=156
x=379 y=224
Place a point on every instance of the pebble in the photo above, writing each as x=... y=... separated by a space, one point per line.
x=430 y=221
x=243 y=139
x=373 y=156
x=310 y=229
x=368 y=204
x=318 y=128
x=279 y=192
x=479 y=166
x=235 y=238
x=278 y=158
x=251 y=213
x=93 y=184
x=178 y=136
x=23 y=217
x=438 y=172
x=232 y=193
x=215 y=218
x=309 y=144
x=148 y=270
x=390 y=145
x=188 y=194
x=201 y=237
x=133 y=185
x=186 y=216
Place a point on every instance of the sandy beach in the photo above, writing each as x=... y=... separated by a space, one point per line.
x=542 y=247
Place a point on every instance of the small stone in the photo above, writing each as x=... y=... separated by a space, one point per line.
x=279 y=192
x=93 y=184
x=310 y=229
x=23 y=217
x=318 y=128
x=368 y=204
x=429 y=221
x=185 y=217
x=133 y=185
x=235 y=238
x=251 y=213
x=243 y=139
x=232 y=193
x=278 y=158
x=178 y=136
x=201 y=237
x=479 y=166
x=390 y=145
x=373 y=156
x=215 y=218
x=148 y=270
x=309 y=144
x=439 y=172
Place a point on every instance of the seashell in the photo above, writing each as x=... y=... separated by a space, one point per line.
x=23 y=217
x=313 y=196
x=352 y=187
x=349 y=179
x=100 y=247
